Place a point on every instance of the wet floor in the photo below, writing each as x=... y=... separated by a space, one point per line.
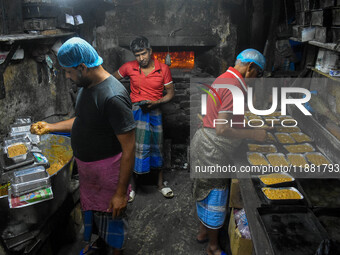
x=158 y=225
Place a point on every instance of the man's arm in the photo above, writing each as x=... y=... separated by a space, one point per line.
x=170 y=93
x=242 y=133
x=119 y=200
x=117 y=75
x=43 y=127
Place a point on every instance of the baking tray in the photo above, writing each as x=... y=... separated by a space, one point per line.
x=292 y=230
x=316 y=153
x=284 y=134
x=266 y=203
x=8 y=164
x=307 y=144
x=301 y=133
x=321 y=193
x=29 y=179
x=256 y=153
x=280 y=155
x=287 y=129
x=269 y=146
x=277 y=185
x=297 y=154
x=283 y=201
x=26 y=187
x=29 y=174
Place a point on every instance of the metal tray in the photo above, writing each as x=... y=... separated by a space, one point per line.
x=270 y=138
x=283 y=201
x=19 y=128
x=23 y=120
x=301 y=133
x=29 y=174
x=256 y=153
x=278 y=154
x=316 y=153
x=301 y=144
x=280 y=184
x=296 y=154
x=26 y=187
x=263 y=146
x=287 y=129
x=285 y=134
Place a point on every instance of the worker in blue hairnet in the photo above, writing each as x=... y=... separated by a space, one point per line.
x=103 y=143
x=215 y=144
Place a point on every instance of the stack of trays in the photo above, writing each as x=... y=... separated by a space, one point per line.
x=29 y=179
x=278 y=188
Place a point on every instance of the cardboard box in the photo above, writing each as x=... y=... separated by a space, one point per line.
x=238 y=244
x=235 y=198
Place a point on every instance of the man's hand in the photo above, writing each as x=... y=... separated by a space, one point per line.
x=152 y=104
x=118 y=204
x=40 y=128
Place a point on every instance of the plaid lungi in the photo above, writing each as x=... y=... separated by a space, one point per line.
x=149 y=140
x=211 y=211
x=113 y=232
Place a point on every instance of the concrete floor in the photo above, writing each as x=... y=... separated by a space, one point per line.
x=158 y=225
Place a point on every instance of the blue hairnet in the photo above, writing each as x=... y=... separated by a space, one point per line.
x=252 y=55
x=76 y=51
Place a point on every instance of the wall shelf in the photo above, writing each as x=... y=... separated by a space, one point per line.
x=24 y=37
x=328 y=46
x=324 y=74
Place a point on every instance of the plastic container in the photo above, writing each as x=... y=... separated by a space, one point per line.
x=29 y=179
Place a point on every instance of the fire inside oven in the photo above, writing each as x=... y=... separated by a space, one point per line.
x=179 y=59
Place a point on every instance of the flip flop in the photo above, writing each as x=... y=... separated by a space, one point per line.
x=91 y=248
x=167 y=192
x=132 y=196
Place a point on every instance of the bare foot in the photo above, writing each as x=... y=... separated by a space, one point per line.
x=214 y=250
x=201 y=237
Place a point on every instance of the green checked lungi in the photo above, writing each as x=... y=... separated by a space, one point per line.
x=149 y=139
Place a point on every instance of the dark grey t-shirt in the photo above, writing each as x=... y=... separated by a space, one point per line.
x=102 y=112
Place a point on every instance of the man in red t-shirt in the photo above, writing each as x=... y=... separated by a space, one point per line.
x=148 y=79
x=215 y=144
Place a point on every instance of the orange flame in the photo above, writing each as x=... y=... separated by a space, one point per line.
x=179 y=59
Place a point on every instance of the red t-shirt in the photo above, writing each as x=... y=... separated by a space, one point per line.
x=148 y=87
x=226 y=98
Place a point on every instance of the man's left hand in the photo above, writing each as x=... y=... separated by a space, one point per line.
x=117 y=204
x=152 y=104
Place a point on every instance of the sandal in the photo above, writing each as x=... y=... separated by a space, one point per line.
x=167 y=192
x=132 y=196
x=91 y=247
